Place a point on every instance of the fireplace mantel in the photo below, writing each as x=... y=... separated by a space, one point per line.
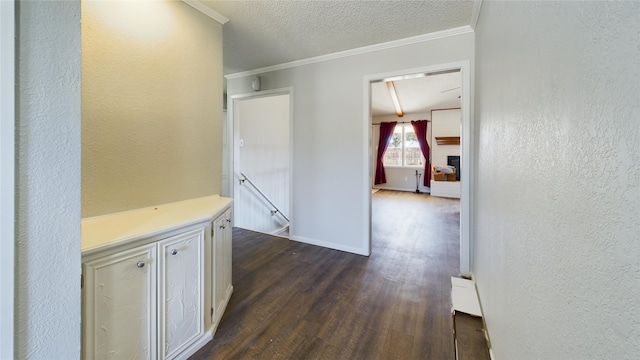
x=448 y=140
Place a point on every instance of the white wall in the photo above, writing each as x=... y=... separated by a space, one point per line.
x=48 y=180
x=445 y=123
x=7 y=176
x=151 y=104
x=557 y=259
x=398 y=178
x=330 y=179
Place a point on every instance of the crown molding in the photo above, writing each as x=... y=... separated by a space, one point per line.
x=475 y=13
x=198 y=5
x=357 y=51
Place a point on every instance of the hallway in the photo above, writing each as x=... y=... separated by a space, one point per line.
x=298 y=301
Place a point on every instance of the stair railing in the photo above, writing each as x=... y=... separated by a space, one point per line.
x=275 y=209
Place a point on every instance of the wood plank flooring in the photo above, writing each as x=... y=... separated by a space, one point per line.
x=470 y=337
x=299 y=301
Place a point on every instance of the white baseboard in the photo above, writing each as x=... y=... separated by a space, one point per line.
x=484 y=322
x=275 y=233
x=334 y=246
x=401 y=189
x=302 y=239
x=281 y=231
x=222 y=307
x=193 y=348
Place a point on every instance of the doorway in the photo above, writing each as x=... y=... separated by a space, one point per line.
x=465 y=144
x=262 y=161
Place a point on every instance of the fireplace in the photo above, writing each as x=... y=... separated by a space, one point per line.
x=455 y=162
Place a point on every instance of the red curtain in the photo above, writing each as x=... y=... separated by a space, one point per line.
x=386 y=131
x=420 y=128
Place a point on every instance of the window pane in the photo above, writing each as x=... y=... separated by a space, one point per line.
x=393 y=155
x=412 y=153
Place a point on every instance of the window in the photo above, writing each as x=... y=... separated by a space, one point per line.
x=403 y=149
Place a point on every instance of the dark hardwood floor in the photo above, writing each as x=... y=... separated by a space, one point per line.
x=470 y=337
x=299 y=301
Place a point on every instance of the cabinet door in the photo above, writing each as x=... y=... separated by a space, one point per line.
x=227 y=248
x=120 y=305
x=221 y=263
x=181 y=291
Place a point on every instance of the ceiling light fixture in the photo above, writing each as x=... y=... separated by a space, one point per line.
x=394 y=97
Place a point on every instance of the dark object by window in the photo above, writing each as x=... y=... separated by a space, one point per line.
x=454 y=161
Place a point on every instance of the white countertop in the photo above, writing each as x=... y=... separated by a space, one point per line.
x=109 y=230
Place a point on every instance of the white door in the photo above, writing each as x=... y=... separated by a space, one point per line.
x=221 y=264
x=262 y=153
x=120 y=305
x=181 y=297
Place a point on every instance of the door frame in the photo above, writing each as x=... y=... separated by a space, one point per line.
x=466 y=151
x=234 y=156
x=7 y=177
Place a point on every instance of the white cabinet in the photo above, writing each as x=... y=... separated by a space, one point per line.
x=151 y=278
x=181 y=292
x=222 y=288
x=120 y=293
x=130 y=294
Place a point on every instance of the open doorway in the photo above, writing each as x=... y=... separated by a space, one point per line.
x=262 y=161
x=434 y=100
x=408 y=178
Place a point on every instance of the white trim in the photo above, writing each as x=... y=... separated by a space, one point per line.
x=228 y=126
x=276 y=233
x=392 y=188
x=198 y=5
x=475 y=13
x=407 y=167
x=7 y=177
x=357 y=51
x=235 y=174
x=291 y=150
x=466 y=152
x=330 y=245
x=484 y=319
x=367 y=160
x=466 y=177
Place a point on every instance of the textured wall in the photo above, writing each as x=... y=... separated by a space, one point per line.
x=151 y=104
x=329 y=144
x=557 y=216
x=48 y=180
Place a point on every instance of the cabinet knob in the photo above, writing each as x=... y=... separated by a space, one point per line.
x=140 y=264
x=221 y=226
x=228 y=220
x=173 y=251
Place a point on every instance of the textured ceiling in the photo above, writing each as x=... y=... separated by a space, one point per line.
x=265 y=33
x=416 y=95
